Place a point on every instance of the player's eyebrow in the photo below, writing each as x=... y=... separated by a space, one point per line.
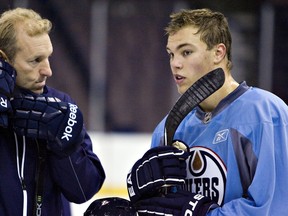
x=179 y=46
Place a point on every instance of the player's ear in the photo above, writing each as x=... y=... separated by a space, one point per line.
x=220 y=53
x=3 y=55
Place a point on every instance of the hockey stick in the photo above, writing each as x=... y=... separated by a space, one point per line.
x=195 y=94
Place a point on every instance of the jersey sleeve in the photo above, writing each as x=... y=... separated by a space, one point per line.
x=267 y=192
x=81 y=175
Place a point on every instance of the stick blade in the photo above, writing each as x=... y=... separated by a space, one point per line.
x=198 y=92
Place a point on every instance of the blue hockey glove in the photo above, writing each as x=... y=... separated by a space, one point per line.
x=59 y=123
x=7 y=84
x=180 y=203
x=160 y=167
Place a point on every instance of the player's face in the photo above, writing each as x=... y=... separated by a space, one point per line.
x=189 y=57
x=32 y=61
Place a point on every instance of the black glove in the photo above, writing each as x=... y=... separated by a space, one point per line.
x=59 y=123
x=178 y=203
x=160 y=166
x=7 y=84
x=110 y=206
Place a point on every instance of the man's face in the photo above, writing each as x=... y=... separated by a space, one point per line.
x=32 y=61
x=189 y=57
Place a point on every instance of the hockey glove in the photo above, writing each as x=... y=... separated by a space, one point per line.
x=59 y=123
x=180 y=203
x=7 y=84
x=159 y=167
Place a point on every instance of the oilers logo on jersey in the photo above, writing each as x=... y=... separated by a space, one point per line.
x=206 y=174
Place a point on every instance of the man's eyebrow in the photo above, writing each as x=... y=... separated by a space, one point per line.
x=180 y=46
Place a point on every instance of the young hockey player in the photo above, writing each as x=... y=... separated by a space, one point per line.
x=236 y=160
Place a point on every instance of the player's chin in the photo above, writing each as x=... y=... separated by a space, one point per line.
x=182 y=89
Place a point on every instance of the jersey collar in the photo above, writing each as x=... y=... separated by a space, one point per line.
x=206 y=117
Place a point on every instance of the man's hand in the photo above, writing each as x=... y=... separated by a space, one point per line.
x=159 y=167
x=48 y=118
x=7 y=84
x=180 y=203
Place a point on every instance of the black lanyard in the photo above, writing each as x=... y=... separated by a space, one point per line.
x=40 y=178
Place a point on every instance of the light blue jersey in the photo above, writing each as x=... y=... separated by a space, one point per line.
x=238 y=153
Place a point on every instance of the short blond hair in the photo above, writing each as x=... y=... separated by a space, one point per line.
x=30 y=21
x=212 y=27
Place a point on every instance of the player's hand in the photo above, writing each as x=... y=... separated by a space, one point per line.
x=161 y=166
x=48 y=118
x=180 y=203
x=7 y=84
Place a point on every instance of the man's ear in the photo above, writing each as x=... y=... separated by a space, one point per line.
x=220 y=53
x=3 y=56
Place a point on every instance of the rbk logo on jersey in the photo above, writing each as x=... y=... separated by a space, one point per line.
x=3 y=102
x=206 y=174
x=221 y=136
